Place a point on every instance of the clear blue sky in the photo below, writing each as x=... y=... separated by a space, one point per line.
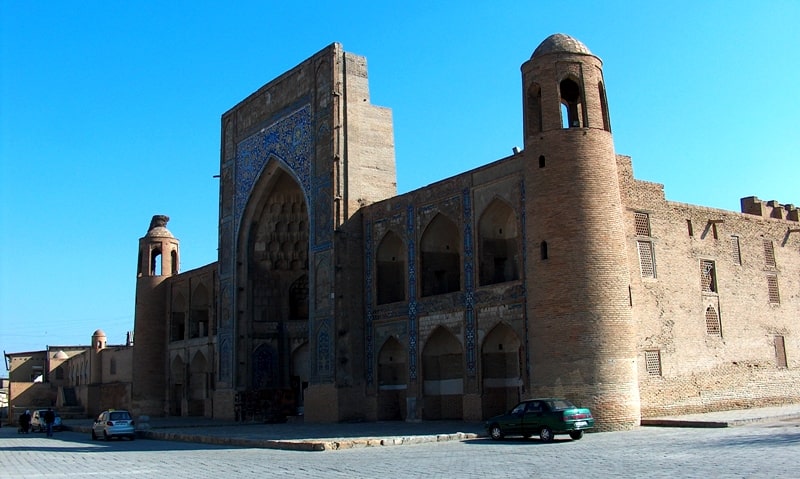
x=110 y=113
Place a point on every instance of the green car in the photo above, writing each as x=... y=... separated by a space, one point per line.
x=544 y=417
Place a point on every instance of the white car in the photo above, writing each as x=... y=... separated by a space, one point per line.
x=113 y=423
x=38 y=424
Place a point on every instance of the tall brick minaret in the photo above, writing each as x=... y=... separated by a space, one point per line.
x=159 y=258
x=581 y=331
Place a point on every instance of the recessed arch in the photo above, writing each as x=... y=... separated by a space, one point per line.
x=177 y=326
x=265 y=368
x=390 y=271
x=501 y=369
x=177 y=378
x=272 y=279
x=198 y=321
x=392 y=380
x=534 y=103
x=573 y=108
x=440 y=257
x=443 y=375
x=198 y=385
x=498 y=239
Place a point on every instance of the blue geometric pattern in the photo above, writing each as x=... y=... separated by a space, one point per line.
x=412 y=295
x=368 y=296
x=290 y=140
x=469 y=284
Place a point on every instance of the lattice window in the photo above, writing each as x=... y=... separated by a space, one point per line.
x=652 y=361
x=736 y=251
x=713 y=327
x=647 y=261
x=708 y=276
x=772 y=288
x=642 y=224
x=769 y=254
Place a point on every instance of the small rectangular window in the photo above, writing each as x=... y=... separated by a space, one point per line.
x=769 y=254
x=652 y=361
x=708 y=276
x=736 y=251
x=772 y=288
x=780 y=352
x=690 y=228
x=647 y=261
x=642 y=224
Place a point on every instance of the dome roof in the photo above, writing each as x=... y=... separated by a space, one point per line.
x=159 y=232
x=560 y=43
x=99 y=332
x=60 y=355
x=158 y=227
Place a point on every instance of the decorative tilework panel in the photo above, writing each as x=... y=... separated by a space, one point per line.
x=290 y=140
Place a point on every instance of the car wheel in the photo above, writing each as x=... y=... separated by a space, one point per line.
x=576 y=435
x=94 y=435
x=546 y=434
x=495 y=432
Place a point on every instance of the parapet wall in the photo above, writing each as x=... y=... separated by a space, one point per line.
x=769 y=209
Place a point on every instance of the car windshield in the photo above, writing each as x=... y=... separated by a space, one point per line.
x=119 y=415
x=559 y=404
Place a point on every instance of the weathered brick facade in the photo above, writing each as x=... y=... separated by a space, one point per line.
x=550 y=272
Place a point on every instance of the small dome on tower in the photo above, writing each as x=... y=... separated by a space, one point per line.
x=158 y=227
x=98 y=333
x=560 y=43
x=60 y=355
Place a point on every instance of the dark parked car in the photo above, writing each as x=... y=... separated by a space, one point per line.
x=544 y=417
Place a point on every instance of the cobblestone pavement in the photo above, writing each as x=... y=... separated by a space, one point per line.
x=765 y=449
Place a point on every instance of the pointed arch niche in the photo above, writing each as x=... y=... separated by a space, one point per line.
x=392 y=382
x=273 y=280
x=443 y=376
x=391 y=269
x=501 y=370
x=198 y=385
x=534 y=116
x=177 y=373
x=573 y=111
x=177 y=326
x=198 y=322
x=499 y=255
x=440 y=259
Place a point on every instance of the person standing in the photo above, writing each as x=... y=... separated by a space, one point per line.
x=25 y=421
x=49 y=419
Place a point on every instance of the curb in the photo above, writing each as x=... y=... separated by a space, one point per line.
x=307 y=445
x=668 y=422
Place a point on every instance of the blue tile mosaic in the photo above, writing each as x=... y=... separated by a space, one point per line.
x=469 y=284
x=290 y=140
x=412 y=293
x=368 y=258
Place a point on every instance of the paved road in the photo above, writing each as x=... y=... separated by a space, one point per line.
x=757 y=450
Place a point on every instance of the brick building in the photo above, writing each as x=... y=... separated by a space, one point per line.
x=550 y=272
x=79 y=380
